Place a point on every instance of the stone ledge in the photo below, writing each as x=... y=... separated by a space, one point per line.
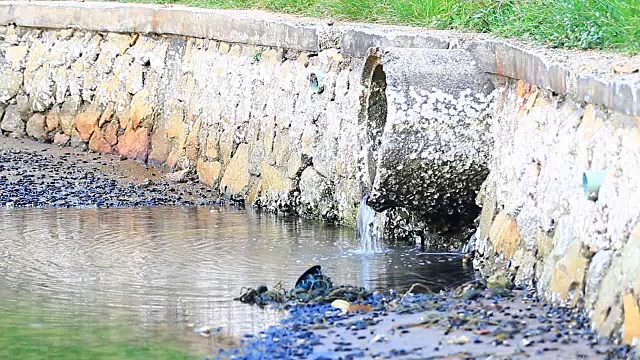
x=273 y=30
x=501 y=58
x=248 y=27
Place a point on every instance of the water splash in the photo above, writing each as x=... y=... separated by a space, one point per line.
x=369 y=239
x=470 y=246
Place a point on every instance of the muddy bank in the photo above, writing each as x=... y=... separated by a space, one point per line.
x=38 y=175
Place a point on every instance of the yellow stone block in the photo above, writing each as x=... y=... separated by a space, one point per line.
x=504 y=235
x=631 y=327
x=236 y=175
x=208 y=172
x=568 y=274
x=273 y=180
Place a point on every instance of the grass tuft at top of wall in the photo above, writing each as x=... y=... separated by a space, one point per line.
x=612 y=25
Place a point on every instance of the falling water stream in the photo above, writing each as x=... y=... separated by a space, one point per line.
x=369 y=239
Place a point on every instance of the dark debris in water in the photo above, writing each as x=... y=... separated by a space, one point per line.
x=312 y=286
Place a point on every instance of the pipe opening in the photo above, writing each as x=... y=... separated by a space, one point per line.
x=374 y=113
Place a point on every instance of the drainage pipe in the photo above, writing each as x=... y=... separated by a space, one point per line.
x=429 y=143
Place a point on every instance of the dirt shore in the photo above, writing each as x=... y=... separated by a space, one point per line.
x=33 y=174
x=433 y=326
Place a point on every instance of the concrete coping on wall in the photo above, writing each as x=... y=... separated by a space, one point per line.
x=266 y=29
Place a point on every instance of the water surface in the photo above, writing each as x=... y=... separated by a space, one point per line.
x=153 y=273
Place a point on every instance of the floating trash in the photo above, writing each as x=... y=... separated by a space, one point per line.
x=591 y=182
x=342 y=305
x=459 y=340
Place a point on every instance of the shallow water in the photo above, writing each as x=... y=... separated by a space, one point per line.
x=150 y=271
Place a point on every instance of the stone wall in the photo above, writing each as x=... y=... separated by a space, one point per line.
x=281 y=128
x=244 y=117
x=287 y=116
x=538 y=224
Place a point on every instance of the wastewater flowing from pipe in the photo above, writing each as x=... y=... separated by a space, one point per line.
x=369 y=241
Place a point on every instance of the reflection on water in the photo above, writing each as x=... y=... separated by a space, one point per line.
x=164 y=268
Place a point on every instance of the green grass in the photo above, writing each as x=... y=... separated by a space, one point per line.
x=30 y=334
x=612 y=25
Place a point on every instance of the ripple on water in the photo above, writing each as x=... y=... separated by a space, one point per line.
x=175 y=266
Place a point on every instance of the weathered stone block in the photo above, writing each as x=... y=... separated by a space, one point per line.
x=224 y=48
x=76 y=141
x=211 y=150
x=487 y=213
x=135 y=79
x=185 y=87
x=499 y=280
x=544 y=244
x=236 y=175
x=254 y=192
x=12 y=121
x=281 y=148
x=68 y=111
x=16 y=55
x=271 y=56
x=10 y=83
x=504 y=235
x=257 y=156
x=226 y=145
x=36 y=127
x=235 y=50
x=607 y=312
x=525 y=261
x=308 y=140
x=61 y=139
x=273 y=181
x=39 y=86
x=175 y=127
x=159 y=147
x=63 y=78
x=24 y=106
x=111 y=132
x=142 y=109
x=597 y=270
x=86 y=123
x=208 y=171
x=296 y=163
x=631 y=327
x=314 y=187
x=37 y=55
x=568 y=274
x=108 y=91
x=98 y=143
x=53 y=119
x=269 y=136
x=191 y=143
x=631 y=260
x=107 y=115
x=172 y=158
x=134 y=144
